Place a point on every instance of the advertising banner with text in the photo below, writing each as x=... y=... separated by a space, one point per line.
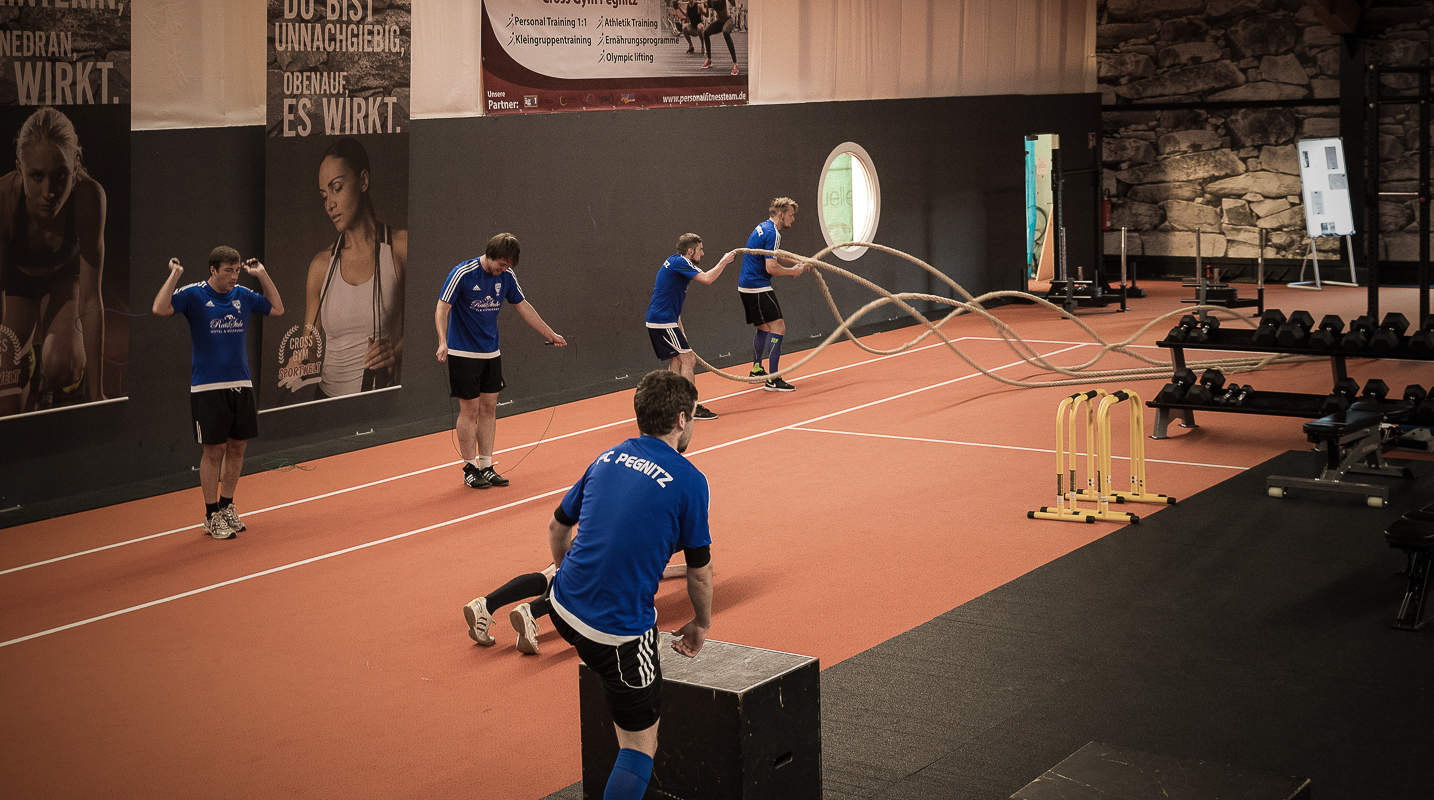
x=582 y=55
x=65 y=204
x=336 y=196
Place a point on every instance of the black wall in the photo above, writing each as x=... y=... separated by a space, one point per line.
x=598 y=200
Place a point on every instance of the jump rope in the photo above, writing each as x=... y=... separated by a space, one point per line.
x=453 y=411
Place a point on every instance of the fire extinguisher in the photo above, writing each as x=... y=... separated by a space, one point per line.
x=1105 y=212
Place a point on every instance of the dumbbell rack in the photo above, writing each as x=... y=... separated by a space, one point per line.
x=1281 y=404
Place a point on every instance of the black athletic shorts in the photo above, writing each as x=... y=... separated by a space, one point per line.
x=631 y=674
x=470 y=377
x=224 y=414
x=667 y=343
x=762 y=307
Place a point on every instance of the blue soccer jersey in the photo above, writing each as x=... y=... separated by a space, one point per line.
x=754 y=277
x=217 y=323
x=477 y=297
x=669 y=291
x=637 y=504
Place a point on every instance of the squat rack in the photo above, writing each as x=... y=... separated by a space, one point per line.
x=1372 y=194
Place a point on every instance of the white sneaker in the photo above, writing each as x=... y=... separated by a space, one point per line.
x=479 y=619
x=231 y=516
x=527 y=628
x=218 y=527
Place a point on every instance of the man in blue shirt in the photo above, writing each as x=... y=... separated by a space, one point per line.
x=664 y=312
x=635 y=506
x=467 y=322
x=221 y=392
x=758 y=298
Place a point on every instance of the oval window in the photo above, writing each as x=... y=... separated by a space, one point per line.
x=850 y=199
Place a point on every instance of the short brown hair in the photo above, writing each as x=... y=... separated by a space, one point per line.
x=779 y=205
x=223 y=254
x=687 y=241
x=662 y=395
x=504 y=245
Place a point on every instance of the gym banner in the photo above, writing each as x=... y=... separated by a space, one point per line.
x=336 y=197
x=64 y=205
x=582 y=55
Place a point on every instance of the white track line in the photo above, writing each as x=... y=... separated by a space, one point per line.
x=405 y=535
x=336 y=492
x=252 y=576
x=1011 y=447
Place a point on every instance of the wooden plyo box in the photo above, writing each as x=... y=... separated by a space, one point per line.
x=738 y=723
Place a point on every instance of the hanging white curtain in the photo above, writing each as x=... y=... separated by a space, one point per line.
x=200 y=63
x=816 y=50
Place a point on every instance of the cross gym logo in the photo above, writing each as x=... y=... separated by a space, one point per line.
x=301 y=356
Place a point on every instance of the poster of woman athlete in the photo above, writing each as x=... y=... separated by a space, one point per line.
x=336 y=198
x=337 y=238
x=64 y=209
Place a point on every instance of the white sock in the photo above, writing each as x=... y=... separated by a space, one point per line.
x=485 y=462
x=472 y=463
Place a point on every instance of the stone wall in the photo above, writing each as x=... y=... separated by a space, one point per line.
x=1232 y=173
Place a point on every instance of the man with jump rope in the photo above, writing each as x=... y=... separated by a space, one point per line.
x=467 y=322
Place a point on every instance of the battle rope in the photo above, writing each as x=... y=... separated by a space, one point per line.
x=975 y=305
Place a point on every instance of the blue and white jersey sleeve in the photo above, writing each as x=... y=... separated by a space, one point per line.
x=513 y=293
x=754 y=277
x=669 y=291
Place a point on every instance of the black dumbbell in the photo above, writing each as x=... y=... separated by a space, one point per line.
x=1424 y=412
x=1243 y=396
x=1414 y=394
x=1342 y=397
x=1270 y=321
x=1327 y=336
x=1376 y=390
x=1227 y=397
x=1390 y=336
x=1174 y=391
x=1204 y=331
x=1170 y=393
x=1204 y=393
x=1182 y=330
x=1292 y=334
x=1360 y=329
x=1422 y=343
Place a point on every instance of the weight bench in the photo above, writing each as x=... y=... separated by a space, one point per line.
x=1353 y=442
x=1414 y=534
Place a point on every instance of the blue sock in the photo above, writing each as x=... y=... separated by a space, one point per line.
x=758 y=342
x=629 y=777
x=774 y=351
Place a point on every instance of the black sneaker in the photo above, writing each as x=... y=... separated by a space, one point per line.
x=778 y=385
x=492 y=478
x=474 y=477
x=703 y=412
x=757 y=371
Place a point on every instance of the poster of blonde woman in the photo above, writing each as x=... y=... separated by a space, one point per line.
x=64 y=208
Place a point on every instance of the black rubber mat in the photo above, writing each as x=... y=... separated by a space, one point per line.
x=1235 y=628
